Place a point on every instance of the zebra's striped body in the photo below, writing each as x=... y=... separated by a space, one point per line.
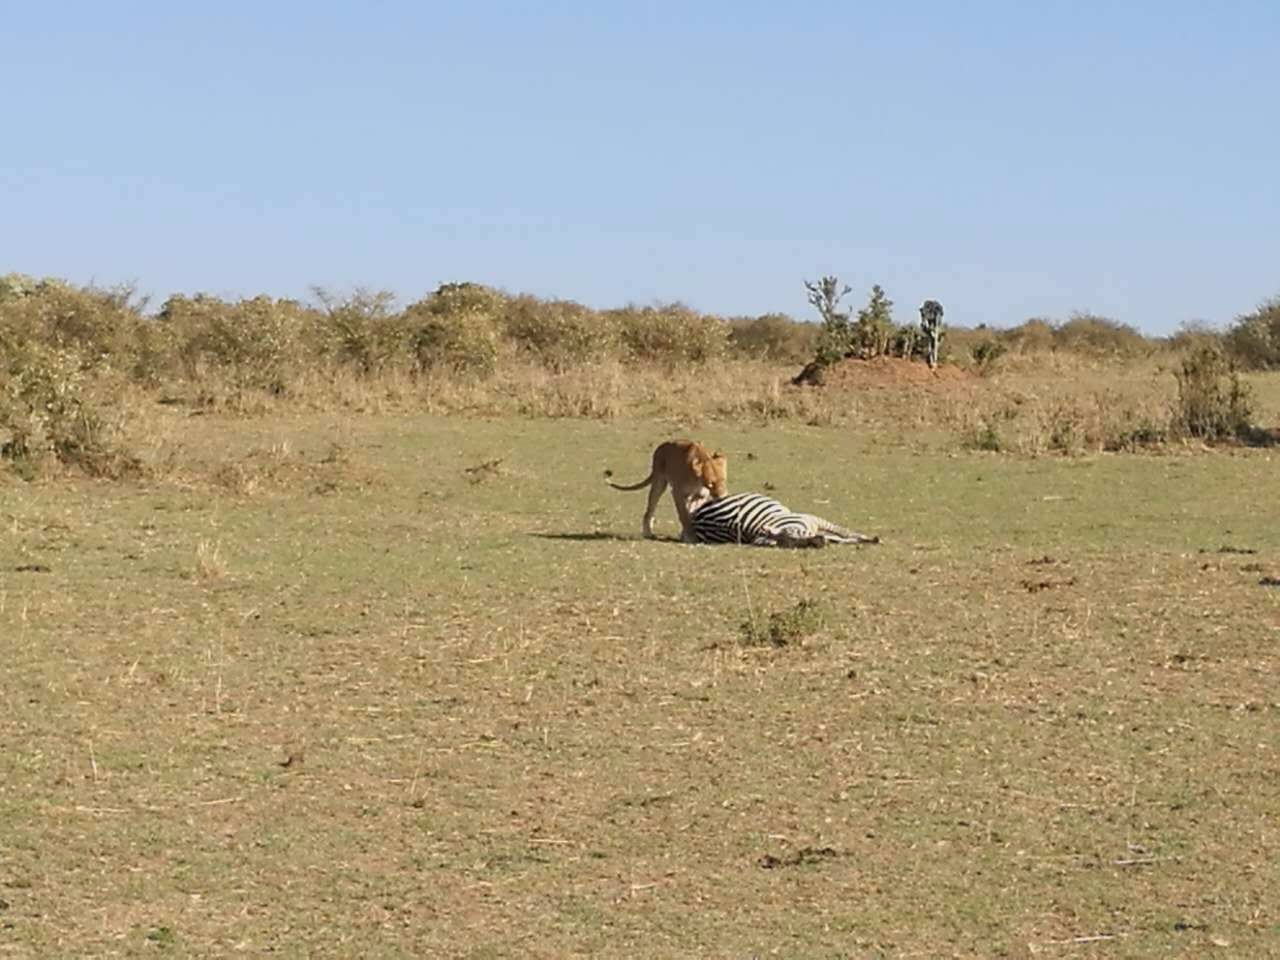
x=753 y=518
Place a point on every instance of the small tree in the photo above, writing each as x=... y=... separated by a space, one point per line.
x=836 y=339
x=874 y=329
x=931 y=327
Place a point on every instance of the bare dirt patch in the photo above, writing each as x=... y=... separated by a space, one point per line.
x=854 y=373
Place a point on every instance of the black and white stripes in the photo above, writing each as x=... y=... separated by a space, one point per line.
x=753 y=518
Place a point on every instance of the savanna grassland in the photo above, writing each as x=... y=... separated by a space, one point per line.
x=371 y=663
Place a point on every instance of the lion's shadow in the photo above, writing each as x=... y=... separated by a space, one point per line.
x=598 y=535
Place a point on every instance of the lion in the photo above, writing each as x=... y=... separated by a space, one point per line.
x=694 y=474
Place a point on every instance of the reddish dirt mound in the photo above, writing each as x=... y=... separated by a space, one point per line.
x=853 y=373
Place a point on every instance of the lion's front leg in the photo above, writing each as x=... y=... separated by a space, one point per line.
x=656 y=490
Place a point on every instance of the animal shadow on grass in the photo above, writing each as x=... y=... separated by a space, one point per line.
x=593 y=535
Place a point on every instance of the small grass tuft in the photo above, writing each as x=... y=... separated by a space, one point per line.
x=985 y=436
x=209 y=562
x=484 y=471
x=783 y=628
x=162 y=936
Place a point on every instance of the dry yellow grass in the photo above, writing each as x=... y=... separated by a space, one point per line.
x=1028 y=404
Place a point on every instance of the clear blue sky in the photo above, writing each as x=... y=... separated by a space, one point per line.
x=1009 y=159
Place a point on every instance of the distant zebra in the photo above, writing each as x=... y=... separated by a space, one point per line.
x=753 y=518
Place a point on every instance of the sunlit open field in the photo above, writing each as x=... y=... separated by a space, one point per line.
x=337 y=688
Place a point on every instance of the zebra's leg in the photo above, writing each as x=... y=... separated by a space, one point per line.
x=834 y=533
x=656 y=490
x=798 y=542
x=791 y=536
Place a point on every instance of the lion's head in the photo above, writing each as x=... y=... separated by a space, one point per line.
x=713 y=470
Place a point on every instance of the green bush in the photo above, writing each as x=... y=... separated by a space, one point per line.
x=98 y=325
x=1066 y=427
x=456 y=328
x=151 y=360
x=1130 y=430
x=1194 y=334
x=1253 y=341
x=985 y=353
x=1092 y=335
x=14 y=286
x=834 y=341
x=873 y=330
x=451 y=299
x=256 y=343
x=1034 y=336
x=196 y=331
x=671 y=334
x=985 y=435
x=1212 y=403
x=559 y=333
x=362 y=331
x=908 y=342
x=773 y=336
x=46 y=413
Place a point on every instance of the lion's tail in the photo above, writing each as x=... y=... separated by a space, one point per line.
x=608 y=474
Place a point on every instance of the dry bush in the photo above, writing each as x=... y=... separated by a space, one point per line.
x=191 y=329
x=559 y=333
x=595 y=392
x=1253 y=341
x=255 y=344
x=360 y=330
x=327 y=387
x=775 y=337
x=1083 y=335
x=959 y=342
x=748 y=392
x=978 y=349
x=1034 y=336
x=1192 y=335
x=47 y=414
x=1090 y=335
x=14 y=286
x=1213 y=404
x=526 y=388
x=670 y=334
x=741 y=389
x=472 y=350
x=1074 y=409
x=1071 y=371
x=99 y=326
x=1098 y=422
x=456 y=329
x=152 y=362
x=985 y=356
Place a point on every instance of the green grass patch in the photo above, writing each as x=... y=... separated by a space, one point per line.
x=371 y=705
